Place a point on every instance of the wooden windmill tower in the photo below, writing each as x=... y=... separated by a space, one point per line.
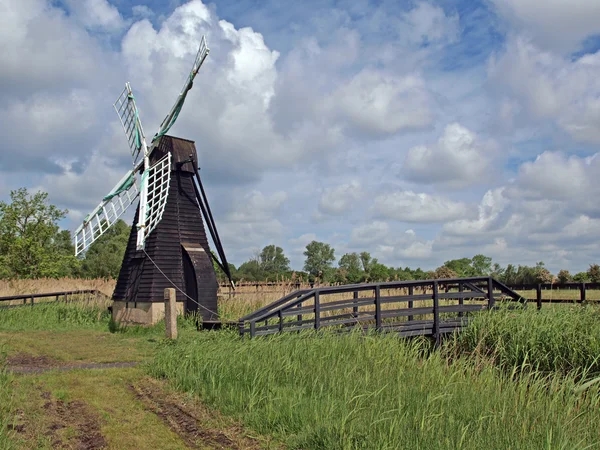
x=168 y=246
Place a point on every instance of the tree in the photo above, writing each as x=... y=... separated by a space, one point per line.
x=462 y=267
x=594 y=273
x=542 y=275
x=251 y=270
x=497 y=272
x=319 y=257
x=351 y=265
x=365 y=259
x=445 y=272
x=378 y=271
x=104 y=257
x=564 y=276
x=273 y=261
x=581 y=277
x=30 y=243
x=482 y=265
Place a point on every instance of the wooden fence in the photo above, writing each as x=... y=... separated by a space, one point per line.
x=443 y=307
x=29 y=299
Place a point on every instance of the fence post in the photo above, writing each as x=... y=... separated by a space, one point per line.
x=411 y=292
x=170 y=313
x=582 y=293
x=252 y=328
x=32 y=300
x=378 y=308
x=538 y=293
x=491 y=299
x=299 y=316
x=436 y=315
x=355 y=308
x=461 y=301
x=317 y=311
x=280 y=320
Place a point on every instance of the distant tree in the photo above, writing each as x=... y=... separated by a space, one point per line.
x=497 y=272
x=510 y=275
x=564 y=276
x=31 y=245
x=365 y=259
x=445 y=272
x=351 y=264
x=319 y=258
x=482 y=265
x=251 y=270
x=378 y=271
x=273 y=261
x=581 y=277
x=104 y=257
x=594 y=273
x=462 y=267
x=542 y=275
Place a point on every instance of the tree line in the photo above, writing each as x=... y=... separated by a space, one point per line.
x=32 y=245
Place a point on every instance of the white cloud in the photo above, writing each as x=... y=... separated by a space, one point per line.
x=337 y=200
x=256 y=207
x=97 y=15
x=380 y=103
x=556 y=24
x=408 y=206
x=552 y=87
x=459 y=158
x=368 y=234
x=429 y=24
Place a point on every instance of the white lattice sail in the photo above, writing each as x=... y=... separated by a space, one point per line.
x=107 y=212
x=155 y=191
x=129 y=116
x=170 y=119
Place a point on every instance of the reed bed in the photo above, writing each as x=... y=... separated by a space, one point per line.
x=565 y=339
x=43 y=285
x=319 y=391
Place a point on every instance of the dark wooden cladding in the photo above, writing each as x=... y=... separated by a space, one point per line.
x=140 y=280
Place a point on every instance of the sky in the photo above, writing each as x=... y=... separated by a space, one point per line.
x=419 y=131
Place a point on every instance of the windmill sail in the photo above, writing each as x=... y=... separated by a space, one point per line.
x=107 y=212
x=170 y=119
x=129 y=116
x=154 y=194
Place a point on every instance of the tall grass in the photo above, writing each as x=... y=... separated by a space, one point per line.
x=57 y=316
x=5 y=404
x=321 y=391
x=565 y=339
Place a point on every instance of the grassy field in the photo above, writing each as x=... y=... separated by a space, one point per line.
x=513 y=379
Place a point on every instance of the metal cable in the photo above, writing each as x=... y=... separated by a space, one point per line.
x=175 y=286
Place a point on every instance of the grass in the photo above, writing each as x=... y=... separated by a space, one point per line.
x=565 y=339
x=349 y=392
x=6 y=403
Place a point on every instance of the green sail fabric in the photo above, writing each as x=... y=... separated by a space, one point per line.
x=125 y=186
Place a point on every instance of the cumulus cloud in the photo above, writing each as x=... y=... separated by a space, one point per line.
x=368 y=234
x=338 y=200
x=553 y=87
x=97 y=15
x=380 y=103
x=409 y=206
x=555 y=24
x=430 y=24
x=458 y=159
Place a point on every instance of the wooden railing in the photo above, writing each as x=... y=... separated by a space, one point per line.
x=539 y=288
x=441 y=308
x=29 y=299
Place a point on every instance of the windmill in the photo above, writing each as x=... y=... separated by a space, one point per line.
x=167 y=244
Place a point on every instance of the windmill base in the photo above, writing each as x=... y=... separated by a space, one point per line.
x=140 y=313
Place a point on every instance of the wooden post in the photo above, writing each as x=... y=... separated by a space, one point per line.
x=32 y=300
x=461 y=301
x=317 y=311
x=170 y=313
x=491 y=300
x=280 y=320
x=378 y=308
x=355 y=308
x=411 y=291
x=299 y=316
x=538 y=293
x=436 y=315
x=582 y=292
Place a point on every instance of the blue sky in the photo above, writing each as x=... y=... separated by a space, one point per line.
x=421 y=131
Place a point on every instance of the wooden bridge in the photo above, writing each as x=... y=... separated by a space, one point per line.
x=408 y=308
